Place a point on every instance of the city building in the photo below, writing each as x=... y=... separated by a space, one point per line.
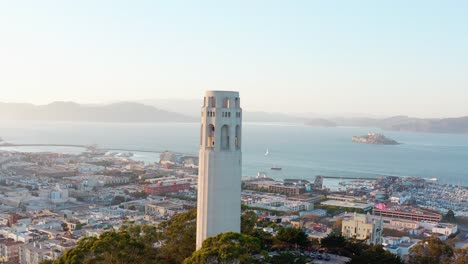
x=399 y=246
x=163 y=209
x=363 y=227
x=274 y=187
x=9 y=250
x=220 y=163
x=444 y=229
x=407 y=213
x=364 y=207
x=165 y=187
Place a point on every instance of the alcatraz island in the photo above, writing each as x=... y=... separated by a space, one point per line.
x=374 y=138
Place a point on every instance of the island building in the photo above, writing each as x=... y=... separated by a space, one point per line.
x=363 y=227
x=220 y=163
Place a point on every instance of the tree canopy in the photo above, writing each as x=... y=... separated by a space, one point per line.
x=291 y=238
x=248 y=222
x=450 y=217
x=135 y=244
x=375 y=254
x=227 y=247
x=179 y=236
x=110 y=247
x=431 y=251
x=333 y=240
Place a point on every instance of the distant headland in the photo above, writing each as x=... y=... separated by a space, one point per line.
x=374 y=138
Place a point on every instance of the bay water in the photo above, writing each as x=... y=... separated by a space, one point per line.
x=301 y=151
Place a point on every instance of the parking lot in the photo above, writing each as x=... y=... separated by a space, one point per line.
x=334 y=259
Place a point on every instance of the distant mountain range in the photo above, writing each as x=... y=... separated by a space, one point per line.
x=176 y=111
x=400 y=123
x=189 y=111
x=69 y=111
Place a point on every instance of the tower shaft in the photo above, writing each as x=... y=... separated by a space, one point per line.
x=220 y=164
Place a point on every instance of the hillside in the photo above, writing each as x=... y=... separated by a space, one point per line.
x=73 y=112
x=402 y=123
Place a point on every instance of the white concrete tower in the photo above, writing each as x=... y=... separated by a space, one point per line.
x=220 y=163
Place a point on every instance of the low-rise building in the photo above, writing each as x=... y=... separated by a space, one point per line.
x=445 y=229
x=163 y=209
x=363 y=227
x=275 y=187
x=407 y=213
x=165 y=186
x=399 y=246
x=364 y=207
x=9 y=250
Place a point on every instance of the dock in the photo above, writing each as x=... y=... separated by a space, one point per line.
x=349 y=178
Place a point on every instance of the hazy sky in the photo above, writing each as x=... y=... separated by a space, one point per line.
x=380 y=57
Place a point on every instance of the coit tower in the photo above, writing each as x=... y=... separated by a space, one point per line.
x=220 y=163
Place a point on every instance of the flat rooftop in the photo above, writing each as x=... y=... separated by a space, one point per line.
x=346 y=204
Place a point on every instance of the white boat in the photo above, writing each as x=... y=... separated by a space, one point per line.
x=267 y=152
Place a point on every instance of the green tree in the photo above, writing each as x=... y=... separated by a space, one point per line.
x=333 y=240
x=110 y=247
x=179 y=234
x=461 y=256
x=450 y=217
x=375 y=254
x=139 y=195
x=291 y=237
x=431 y=251
x=135 y=244
x=248 y=222
x=227 y=247
x=265 y=238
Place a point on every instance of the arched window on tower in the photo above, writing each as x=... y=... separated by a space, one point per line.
x=212 y=102
x=225 y=137
x=210 y=136
x=237 y=139
x=237 y=102
x=226 y=102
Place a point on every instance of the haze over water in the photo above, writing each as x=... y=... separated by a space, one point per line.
x=302 y=151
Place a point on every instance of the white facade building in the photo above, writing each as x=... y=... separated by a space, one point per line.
x=363 y=227
x=445 y=229
x=220 y=163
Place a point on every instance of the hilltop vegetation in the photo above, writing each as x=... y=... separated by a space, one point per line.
x=173 y=242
